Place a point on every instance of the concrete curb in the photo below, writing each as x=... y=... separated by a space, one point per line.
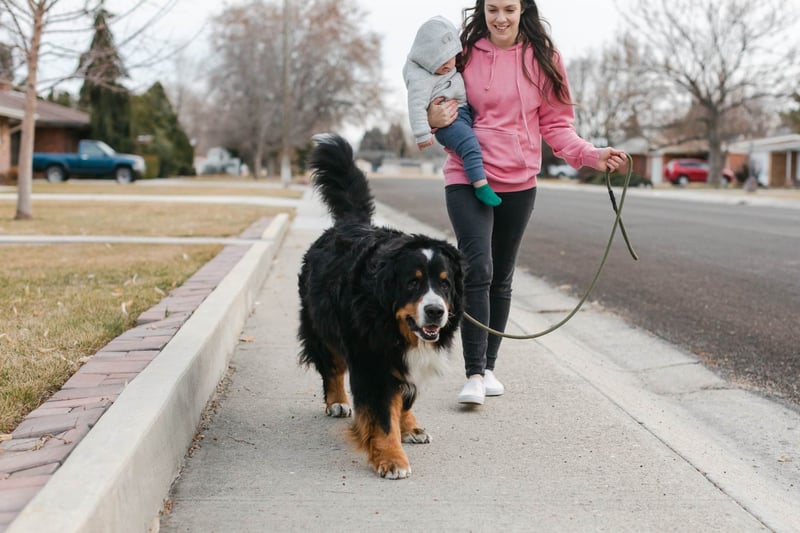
x=116 y=477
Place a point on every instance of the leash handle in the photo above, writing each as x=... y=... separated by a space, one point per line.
x=617 y=211
x=617 y=223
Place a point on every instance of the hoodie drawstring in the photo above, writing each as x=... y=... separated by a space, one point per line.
x=518 y=71
x=491 y=70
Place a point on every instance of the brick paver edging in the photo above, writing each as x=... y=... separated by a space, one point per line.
x=45 y=438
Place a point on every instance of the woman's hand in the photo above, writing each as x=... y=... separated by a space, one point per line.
x=442 y=113
x=611 y=160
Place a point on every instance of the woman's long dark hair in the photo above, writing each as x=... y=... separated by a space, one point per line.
x=532 y=33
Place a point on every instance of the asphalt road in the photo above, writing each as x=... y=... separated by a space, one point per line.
x=721 y=281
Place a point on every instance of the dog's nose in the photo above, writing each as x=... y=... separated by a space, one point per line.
x=434 y=312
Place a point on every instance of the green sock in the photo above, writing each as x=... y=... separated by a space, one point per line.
x=486 y=195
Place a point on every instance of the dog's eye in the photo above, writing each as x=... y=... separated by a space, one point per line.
x=413 y=284
x=445 y=283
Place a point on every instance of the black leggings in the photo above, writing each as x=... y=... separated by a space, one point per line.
x=489 y=237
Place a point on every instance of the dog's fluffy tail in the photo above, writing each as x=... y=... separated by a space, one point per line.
x=341 y=183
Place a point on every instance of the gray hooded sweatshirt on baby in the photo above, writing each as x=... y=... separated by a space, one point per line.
x=436 y=42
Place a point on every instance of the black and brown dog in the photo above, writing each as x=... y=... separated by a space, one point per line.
x=377 y=303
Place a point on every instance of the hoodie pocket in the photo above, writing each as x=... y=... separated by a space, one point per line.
x=502 y=153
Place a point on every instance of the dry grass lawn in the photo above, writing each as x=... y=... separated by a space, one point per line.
x=123 y=218
x=194 y=186
x=60 y=303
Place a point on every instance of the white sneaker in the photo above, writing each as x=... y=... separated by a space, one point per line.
x=492 y=386
x=473 y=391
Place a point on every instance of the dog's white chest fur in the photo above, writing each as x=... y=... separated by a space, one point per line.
x=424 y=362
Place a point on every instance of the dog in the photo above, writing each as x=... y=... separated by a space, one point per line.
x=378 y=303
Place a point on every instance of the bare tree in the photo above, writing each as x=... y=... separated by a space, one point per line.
x=28 y=20
x=246 y=80
x=720 y=57
x=615 y=97
x=29 y=23
x=333 y=74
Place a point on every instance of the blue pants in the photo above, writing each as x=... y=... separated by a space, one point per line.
x=460 y=138
x=490 y=238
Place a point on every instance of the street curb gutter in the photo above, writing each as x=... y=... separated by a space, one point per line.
x=117 y=476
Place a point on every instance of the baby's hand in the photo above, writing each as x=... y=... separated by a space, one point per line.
x=425 y=144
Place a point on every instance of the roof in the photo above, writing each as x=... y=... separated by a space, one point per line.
x=780 y=143
x=634 y=146
x=12 y=105
x=692 y=146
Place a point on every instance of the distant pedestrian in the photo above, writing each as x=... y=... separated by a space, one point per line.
x=517 y=87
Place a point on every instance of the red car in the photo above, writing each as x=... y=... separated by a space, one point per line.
x=685 y=171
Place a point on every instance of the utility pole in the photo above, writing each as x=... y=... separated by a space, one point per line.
x=286 y=161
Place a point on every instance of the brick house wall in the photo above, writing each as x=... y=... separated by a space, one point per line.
x=58 y=128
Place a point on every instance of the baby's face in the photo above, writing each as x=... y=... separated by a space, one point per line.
x=447 y=67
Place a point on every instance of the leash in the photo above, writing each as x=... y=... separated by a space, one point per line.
x=617 y=223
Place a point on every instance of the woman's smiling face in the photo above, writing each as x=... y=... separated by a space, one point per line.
x=502 y=19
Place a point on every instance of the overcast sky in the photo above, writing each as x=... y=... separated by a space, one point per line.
x=577 y=26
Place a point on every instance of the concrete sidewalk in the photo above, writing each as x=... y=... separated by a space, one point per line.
x=602 y=427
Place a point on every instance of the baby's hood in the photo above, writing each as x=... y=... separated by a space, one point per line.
x=436 y=42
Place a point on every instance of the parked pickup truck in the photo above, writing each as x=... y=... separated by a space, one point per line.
x=94 y=159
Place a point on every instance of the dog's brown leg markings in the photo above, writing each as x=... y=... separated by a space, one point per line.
x=410 y=430
x=336 y=402
x=384 y=450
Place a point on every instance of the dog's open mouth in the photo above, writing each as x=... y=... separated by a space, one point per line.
x=429 y=333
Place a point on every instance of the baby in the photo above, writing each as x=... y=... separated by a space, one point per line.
x=430 y=72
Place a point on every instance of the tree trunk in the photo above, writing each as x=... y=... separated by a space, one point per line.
x=286 y=167
x=258 y=159
x=25 y=176
x=715 y=161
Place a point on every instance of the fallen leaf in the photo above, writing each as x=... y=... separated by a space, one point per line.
x=247 y=339
x=159 y=291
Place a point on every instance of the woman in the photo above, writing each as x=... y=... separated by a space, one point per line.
x=517 y=87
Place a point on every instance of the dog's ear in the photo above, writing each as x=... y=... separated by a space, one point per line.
x=458 y=265
x=384 y=273
x=386 y=285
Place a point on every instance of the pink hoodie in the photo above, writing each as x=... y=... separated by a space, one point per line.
x=511 y=117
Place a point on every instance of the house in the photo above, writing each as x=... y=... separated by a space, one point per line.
x=657 y=159
x=774 y=161
x=639 y=150
x=58 y=128
x=219 y=160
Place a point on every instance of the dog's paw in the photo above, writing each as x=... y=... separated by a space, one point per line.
x=339 y=410
x=392 y=470
x=417 y=436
